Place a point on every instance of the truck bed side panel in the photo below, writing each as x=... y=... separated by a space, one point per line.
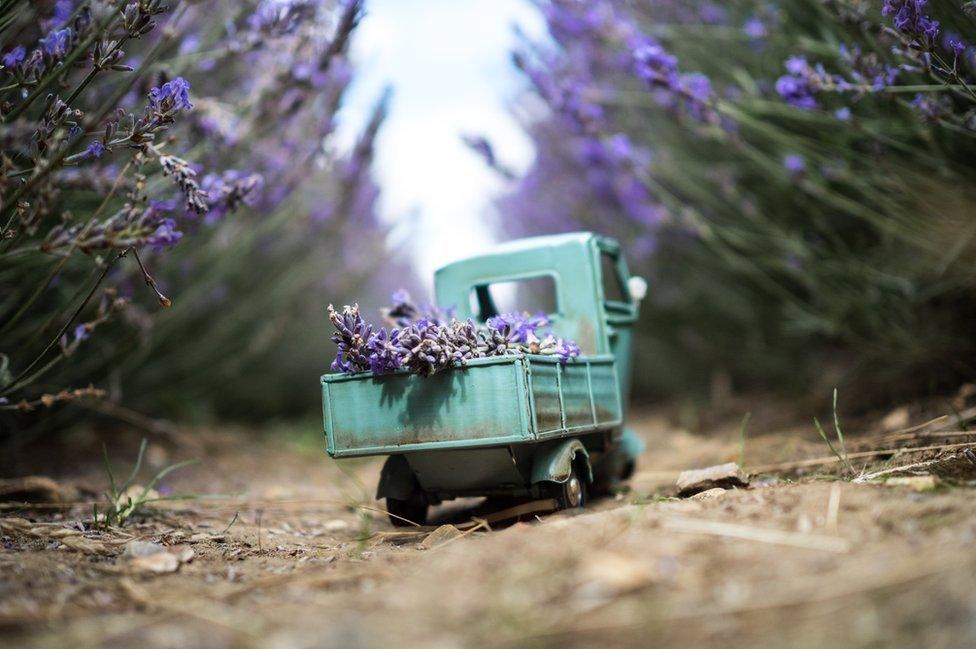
x=545 y=397
x=483 y=404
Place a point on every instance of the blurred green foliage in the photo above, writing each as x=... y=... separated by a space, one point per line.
x=232 y=324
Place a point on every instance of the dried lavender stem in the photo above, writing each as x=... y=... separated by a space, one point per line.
x=150 y=282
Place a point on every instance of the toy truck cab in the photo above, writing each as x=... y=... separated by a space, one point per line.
x=523 y=425
x=581 y=277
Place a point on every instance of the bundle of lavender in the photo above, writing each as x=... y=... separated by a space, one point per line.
x=427 y=341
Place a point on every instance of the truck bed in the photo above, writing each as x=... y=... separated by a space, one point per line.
x=487 y=402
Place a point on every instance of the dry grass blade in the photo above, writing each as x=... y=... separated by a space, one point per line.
x=480 y=524
x=842 y=453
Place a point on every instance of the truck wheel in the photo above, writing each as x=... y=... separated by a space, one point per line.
x=413 y=509
x=628 y=470
x=572 y=493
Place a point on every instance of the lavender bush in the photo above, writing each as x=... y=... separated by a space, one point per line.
x=795 y=178
x=429 y=340
x=171 y=202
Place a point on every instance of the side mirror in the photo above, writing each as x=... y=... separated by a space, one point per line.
x=637 y=287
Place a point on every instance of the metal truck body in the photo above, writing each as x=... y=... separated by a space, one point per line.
x=521 y=425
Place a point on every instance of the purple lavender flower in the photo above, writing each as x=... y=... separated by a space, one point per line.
x=843 y=113
x=165 y=235
x=228 y=191
x=351 y=336
x=698 y=87
x=754 y=28
x=654 y=64
x=405 y=312
x=910 y=19
x=384 y=351
x=189 y=44
x=797 y=65
x=171 y=97
x=82 y=332
x=795 y=86
x=931 y=108
x=519 y=327
x=14 y=56
x=157 y=207
x=867 y=73
x=57 y=43
x=567 y=23
x=713 y=14
x=427 y=346
x=93 y=150
x=957 y=46
x=280 y=17
x=794 y=163
x=63 y=9
x=564 y=349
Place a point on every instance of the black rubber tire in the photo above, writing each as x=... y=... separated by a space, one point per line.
x=413 y=509
x=572 y=493
x=628 y=470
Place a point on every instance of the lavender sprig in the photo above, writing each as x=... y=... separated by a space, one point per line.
x=352 y=334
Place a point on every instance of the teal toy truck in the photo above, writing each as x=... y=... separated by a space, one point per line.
x=524 y=425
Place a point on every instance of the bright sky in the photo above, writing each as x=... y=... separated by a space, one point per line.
x=449 y=65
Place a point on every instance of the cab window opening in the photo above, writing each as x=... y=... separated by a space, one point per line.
x=532 y=294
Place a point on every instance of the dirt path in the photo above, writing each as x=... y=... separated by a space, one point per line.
x=289 y=557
